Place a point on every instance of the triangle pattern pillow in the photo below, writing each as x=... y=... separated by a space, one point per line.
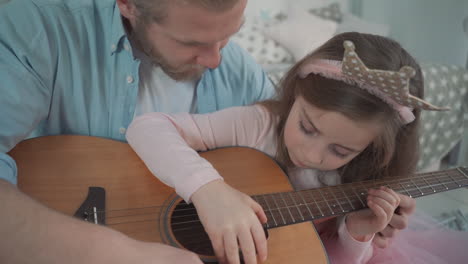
x=301 y=32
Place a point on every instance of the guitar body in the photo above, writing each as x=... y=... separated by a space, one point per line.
x=58 y=170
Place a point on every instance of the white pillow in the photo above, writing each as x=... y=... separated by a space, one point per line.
x=350 y=23
x=301 y=32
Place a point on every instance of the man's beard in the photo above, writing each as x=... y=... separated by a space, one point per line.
x=186 y=72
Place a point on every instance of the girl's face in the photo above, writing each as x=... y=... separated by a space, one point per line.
x=325 y=140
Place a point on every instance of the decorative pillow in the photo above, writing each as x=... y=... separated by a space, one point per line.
x=301 y=32
x=330 y=12
x=264 y=50
x=440 y=131
x=351 y=23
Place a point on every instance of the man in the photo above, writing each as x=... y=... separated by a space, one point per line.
x=88 y=67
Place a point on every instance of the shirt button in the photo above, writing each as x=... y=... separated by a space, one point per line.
x=113 y=47
x=129 y=79
x=122 y=130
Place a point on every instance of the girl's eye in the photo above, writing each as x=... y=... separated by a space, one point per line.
x=306 y=131
x=338 y=153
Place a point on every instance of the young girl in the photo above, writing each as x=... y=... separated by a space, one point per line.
x=347 y=112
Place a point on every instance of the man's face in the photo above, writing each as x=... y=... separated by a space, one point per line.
x=189 y=38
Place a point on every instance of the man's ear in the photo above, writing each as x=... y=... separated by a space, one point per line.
x=127 y=9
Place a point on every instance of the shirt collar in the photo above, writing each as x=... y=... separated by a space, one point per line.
x=118 y=32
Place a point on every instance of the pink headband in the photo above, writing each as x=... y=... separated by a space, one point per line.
x=391 y=87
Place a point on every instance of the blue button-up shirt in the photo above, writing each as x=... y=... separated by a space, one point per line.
x=66 y=67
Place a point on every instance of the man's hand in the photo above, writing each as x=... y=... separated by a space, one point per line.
x=398 y=222
x=231 y=219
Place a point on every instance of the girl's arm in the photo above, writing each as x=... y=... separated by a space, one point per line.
x=341 y=246
x=353 y=243
x=168 y=143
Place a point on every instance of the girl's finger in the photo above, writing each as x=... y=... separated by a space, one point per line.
x=218 y=247
x=387 y=194
x=259 y=212
x=231 y=248
x=407 y=204
x=380 y=241
x=377 y=210
x=385 y=205
x=248 y=247
x=399 y=221
x=388 y=232
x=260 y=242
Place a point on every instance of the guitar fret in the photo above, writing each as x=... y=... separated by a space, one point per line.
x=310 y=194
x=347 y=197
x=306 y=205
x=407 y=193
x=348 y=201
x=294 y=207
x=359 y=197
x=269 y=210
x=339 y=203
x=463 y=173
x=326 y=202
x=297 y=206
x=452 y=183
x=428 y=184
x=436 y=183
x=287 y=207
x=409 y=189
x=456 y=182
x=278 y=208
x=421 y=193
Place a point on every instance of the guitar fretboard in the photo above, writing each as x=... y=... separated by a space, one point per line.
x=295 y=207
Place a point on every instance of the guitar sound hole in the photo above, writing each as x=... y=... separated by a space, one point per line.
x=189 y=231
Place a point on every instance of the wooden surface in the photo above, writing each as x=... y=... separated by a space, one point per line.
x=57 y=171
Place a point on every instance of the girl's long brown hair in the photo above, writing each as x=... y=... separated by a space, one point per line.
x=396 y=151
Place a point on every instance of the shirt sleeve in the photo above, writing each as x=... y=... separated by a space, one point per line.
x=342 y=247
x=168 y=144
x=24 y=95
x=256 y=82
x=8 y=170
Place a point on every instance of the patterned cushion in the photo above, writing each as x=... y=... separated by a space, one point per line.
x=330 y=12
x=441 y=131
x=264 y=49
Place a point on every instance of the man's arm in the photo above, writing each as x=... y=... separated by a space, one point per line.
x=32 y=233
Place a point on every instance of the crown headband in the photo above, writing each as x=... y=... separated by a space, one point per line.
x=391 y=87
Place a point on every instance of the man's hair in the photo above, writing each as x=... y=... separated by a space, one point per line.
x=156 y=10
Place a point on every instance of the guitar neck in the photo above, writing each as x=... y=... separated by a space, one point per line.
x=289 y=208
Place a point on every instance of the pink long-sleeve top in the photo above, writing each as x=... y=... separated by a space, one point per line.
x=152 y=136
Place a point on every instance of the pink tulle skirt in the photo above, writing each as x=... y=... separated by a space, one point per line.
x=424 y=242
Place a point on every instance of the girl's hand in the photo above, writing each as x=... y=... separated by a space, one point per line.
x=399 y=222
x=382 y=203
x=231 y=219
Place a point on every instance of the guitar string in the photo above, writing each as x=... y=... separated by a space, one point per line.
x=342 y=186
x=193 y=209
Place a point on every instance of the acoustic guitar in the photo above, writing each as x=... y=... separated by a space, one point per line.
x=104 y=182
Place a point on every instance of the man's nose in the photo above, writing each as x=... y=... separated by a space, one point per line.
x=210 y=56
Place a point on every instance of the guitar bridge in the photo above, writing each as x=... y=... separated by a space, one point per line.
x=93 y=209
